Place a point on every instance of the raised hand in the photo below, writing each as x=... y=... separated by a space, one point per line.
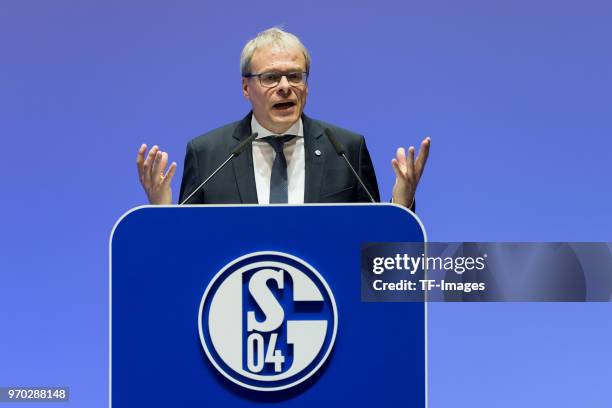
x=151 y=174
x=408 y=172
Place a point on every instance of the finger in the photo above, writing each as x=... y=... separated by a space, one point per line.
x=396 y=168
x=140 y=161
x=148 y=163
x=422 y=157
x=161 y=160
x=410 y=161
x=400 y=156
x=170 y=173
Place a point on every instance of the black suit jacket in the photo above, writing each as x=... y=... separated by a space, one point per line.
x=327 y=179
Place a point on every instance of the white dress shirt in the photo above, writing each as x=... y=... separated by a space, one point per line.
x=263 y=158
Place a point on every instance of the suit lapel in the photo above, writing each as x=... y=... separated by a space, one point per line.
x=314 y=166
x=243 y=164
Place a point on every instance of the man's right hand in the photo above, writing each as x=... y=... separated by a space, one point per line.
x=151 y=174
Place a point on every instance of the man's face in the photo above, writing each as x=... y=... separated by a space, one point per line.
x=279 y=107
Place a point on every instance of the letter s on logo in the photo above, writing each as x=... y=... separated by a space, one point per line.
x=267 y=302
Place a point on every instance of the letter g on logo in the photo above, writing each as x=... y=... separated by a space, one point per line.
x=268 y=321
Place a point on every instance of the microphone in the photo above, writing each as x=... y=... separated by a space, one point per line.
x=235 y=153
x=341 y=152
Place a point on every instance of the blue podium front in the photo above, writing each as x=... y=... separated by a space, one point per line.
x=238 y=306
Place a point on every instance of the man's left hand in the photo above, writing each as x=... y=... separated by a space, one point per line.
x=408 y=172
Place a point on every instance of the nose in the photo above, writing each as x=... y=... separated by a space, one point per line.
x=284 y=86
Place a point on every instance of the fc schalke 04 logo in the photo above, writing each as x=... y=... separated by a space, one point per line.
x=268 y=321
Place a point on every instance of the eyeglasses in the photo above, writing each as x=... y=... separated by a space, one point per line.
x=272 y=79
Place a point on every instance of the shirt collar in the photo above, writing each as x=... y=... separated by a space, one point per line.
x=296 y=129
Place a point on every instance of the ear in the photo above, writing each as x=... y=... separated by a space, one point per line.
x=245 y=88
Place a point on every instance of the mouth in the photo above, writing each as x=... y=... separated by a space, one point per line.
x=283 y=106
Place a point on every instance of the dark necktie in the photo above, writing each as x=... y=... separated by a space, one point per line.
x=278 y=181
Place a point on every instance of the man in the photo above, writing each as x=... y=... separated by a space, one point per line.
x=291 y=160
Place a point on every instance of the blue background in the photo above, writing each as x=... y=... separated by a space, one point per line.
x=516 y=97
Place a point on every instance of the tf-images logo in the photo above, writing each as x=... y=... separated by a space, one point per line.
x=268 y=321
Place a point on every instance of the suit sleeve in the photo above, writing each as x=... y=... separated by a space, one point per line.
x=366 y=172
x=191 y=177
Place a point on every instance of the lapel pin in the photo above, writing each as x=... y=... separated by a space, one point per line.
x=317 y=152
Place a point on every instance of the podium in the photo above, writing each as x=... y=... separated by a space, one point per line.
x=242 y=306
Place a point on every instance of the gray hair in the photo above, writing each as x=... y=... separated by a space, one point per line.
x=276 y=36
